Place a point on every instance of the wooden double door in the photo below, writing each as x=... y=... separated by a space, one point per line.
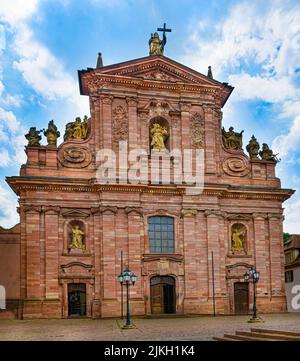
x=241 y=298
x=163 y=297
x=77 y=300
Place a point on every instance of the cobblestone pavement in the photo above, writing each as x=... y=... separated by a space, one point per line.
x=177 y=328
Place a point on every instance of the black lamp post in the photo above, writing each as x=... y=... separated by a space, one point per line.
x=127 y=276
x=253 y=276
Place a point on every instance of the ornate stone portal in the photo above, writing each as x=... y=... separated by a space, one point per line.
x=74 y=228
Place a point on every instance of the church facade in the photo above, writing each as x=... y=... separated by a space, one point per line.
x=188 y=250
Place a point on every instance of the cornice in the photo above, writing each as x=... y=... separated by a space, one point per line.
x=98 y=79
x=21 y=184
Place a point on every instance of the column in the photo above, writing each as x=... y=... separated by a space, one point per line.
x=32 y=304
x=191 y=257
x=106 y=121
x=95 y=211
x=52 y=305
x=185 y=126
x=213 y=242
x=210 y=140
x=95 y=119
x=134 y=218
x=134 y=139
x=109 y=274
x=276 y=258
x=260 y=232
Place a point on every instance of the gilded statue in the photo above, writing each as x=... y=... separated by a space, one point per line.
x=238 y=236
x=156 y=46
x=253 y=148
x=158 y=135
x=52 y=134
x=77 y=129
x=231 y=139
x=77 y=238
x=267 y=154
x=33 y=137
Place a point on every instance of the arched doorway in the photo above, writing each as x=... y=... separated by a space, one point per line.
x=76 y=299
x=163 y=296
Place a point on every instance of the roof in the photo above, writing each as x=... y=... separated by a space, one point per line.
x=130 y=69
x=293 y=242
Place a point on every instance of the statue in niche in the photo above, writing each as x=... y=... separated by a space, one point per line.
x=238 y=237
x=158 y=135
x=33 y=137
x=231 y=139
x=77 y=129
x=52 y=134
x=77 y=239
x=267 y=154
x=253 y=148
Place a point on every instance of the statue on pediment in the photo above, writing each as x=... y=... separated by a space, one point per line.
x=33 y=137
x=267 y=154
x=52 y=134
x=231 y=139
x=77 y=129
x=156 y=46
x=158 y=134
x=253 y=148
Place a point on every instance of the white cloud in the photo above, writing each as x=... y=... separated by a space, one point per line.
x=15 y=11
x=286 y=143
x=270 y=89
x=4 y=158
x=8 y=215
x=9 y=120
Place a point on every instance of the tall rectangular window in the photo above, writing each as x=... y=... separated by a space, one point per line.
x=161 y=234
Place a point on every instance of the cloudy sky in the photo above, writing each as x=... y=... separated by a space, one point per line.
x=253 y=45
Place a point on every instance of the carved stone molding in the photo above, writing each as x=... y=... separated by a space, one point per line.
x=51 y=209
x=197 y=130
x=275 y=216
x=260 y=216
x=131 y=101
x=75 y=213
x=156 y=257
x=74 y=156
x=95 y=210
x=137 y=210
x=236 y=166
x=120 y=125
x=185 y=107
x=239 y=217
x=107 y=99
x=215 y=213
x=95 y=100
x=32 y=209
x=188 y=212
x=108 y=209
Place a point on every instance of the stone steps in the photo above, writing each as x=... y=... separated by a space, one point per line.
x=257 y=334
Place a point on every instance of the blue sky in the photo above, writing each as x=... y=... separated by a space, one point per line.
x=253 y=45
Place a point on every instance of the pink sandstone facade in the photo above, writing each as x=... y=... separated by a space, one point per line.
x=57 y=190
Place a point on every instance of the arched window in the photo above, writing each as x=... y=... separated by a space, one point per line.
x=161 y=234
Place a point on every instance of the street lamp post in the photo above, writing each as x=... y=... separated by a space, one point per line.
x=127 y=276
x=253 y=275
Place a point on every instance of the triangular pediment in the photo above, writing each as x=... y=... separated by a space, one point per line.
x=158 y=68
x=75 y=213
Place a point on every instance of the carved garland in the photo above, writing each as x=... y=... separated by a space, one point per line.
x=120 y=125
x=197 y=130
